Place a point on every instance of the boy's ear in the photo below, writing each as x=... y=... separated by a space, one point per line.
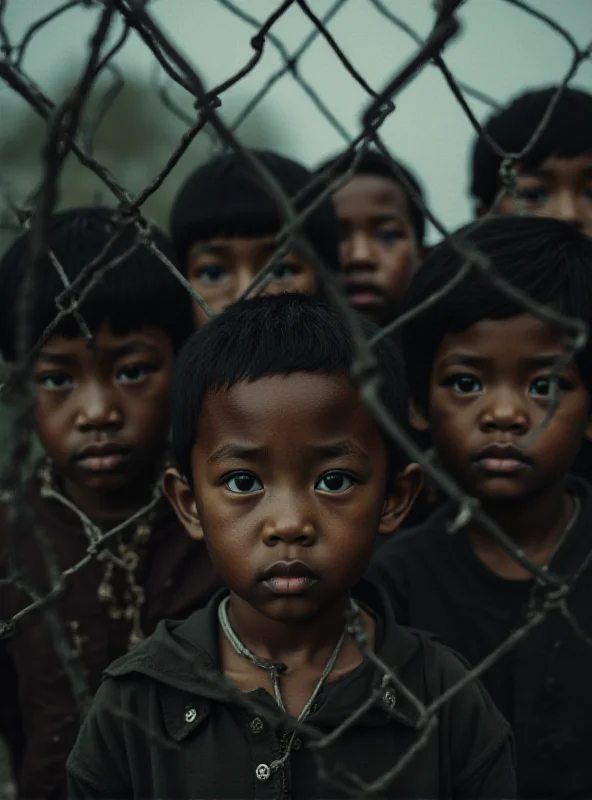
x=417 y=416
x=400 y=498
x=182 y=500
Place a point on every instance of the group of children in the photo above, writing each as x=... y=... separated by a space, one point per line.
x=257 y=481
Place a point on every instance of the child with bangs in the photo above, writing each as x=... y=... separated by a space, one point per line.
x=224 y=225
x=102 y=418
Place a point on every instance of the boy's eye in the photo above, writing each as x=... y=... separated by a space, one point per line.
x=389 y=235
x=334 y=482
x=536 y=195
x=464 y=384
x=55 y=381
x=243 y=483
x=134 y=373
x=542 y=386
x=285 y=271
x=212 y=273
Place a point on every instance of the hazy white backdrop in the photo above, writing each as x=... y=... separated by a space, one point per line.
x=501 y=50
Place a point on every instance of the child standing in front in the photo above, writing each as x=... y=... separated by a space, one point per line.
x=284 y=473
x=102 y=417
x=481 y=371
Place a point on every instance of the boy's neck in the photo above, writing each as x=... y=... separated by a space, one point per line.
x=108 y=507
x=535 y=526
x=308 y=641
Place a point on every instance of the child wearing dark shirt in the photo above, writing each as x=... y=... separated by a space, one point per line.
x=284 y=473
x=481 y=373
x=102 y=417
x=554 y=179
x=224 y=227
x=382 y=232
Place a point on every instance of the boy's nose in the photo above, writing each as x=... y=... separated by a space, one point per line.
x=357 y=252
x=98 y=408
x=290 y=523
x=505 y=412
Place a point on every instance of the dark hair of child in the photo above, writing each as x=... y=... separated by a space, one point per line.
x=267 y=336
x=139 y=292
x=545 y=258
x=223 y=199
x=374 y=163
x=567 y=134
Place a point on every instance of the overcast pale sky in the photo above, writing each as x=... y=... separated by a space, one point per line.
x=501 y=50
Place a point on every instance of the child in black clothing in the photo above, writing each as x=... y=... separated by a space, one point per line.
x=286 y=475
x=554 y=179
x=224 y=227
x=102 y=417
x=481 y=376
x=381 y=232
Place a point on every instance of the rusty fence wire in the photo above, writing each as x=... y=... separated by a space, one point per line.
x=64 y=138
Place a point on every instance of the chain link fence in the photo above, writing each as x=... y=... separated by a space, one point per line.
x=64 y=139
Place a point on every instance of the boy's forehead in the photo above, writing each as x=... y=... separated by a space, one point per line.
x=521 y=336
x=299 y=404
x=367 y=192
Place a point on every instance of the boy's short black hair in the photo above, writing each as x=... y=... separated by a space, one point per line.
x=274 y=335
x=547 y=259
x=139 y=291
x=373 y=162
x=567 y=134
x=222 y=198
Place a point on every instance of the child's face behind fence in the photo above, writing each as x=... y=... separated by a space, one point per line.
x=379 y=250
x=289 y=477
x=221 y=269
x=103 y=416
x=490 y=390
x=560 y=188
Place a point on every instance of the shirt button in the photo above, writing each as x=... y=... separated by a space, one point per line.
x=257 y=725
x=190 y=715
x=262 y=772
x=389 y=698
x=297 y=744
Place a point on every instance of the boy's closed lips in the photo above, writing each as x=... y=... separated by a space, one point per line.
x=502 y=459
x=105 y=457
x=289 y=577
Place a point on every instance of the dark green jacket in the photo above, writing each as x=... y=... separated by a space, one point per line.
x=164 y=725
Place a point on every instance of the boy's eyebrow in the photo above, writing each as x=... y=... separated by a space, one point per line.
x=380 y=219
x=338 y=449
x=231 y=451
x=464 y=360
x=469 y=360
x=55 y=358
x=118 y=351
x=136 y=346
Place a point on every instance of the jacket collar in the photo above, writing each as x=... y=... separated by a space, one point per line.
x=183 y=658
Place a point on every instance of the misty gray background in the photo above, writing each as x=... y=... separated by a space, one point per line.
x=501 y=51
